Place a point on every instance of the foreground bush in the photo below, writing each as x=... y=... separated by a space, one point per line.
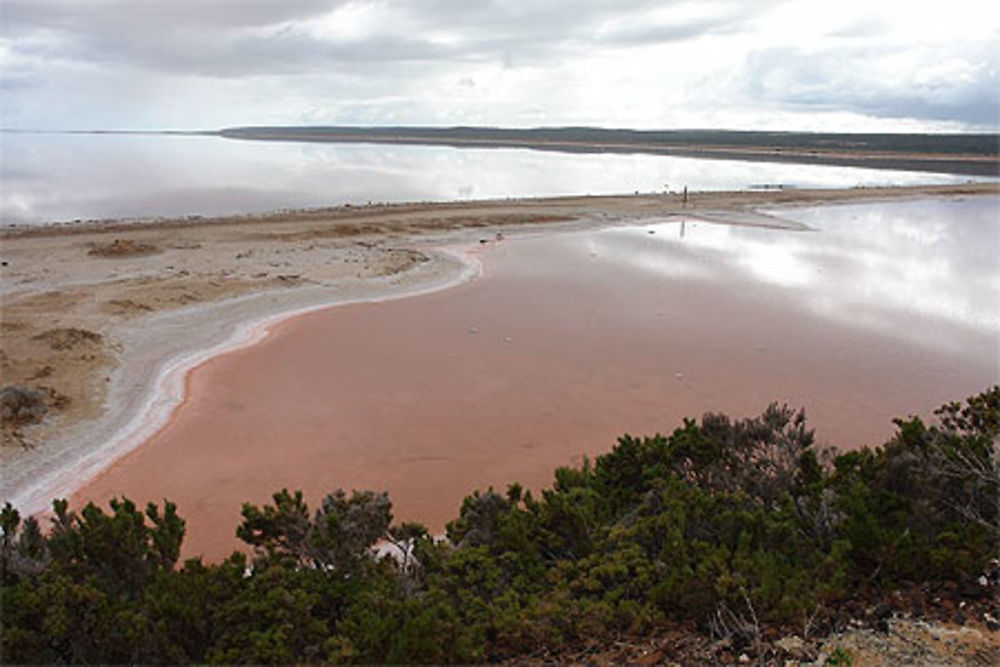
x=727 y=527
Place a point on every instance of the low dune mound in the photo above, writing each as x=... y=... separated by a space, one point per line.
x=69 y=338
x=122 y=248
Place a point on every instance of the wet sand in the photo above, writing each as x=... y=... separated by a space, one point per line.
x=567 y=342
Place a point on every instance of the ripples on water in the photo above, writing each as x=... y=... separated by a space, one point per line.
x=65 y=177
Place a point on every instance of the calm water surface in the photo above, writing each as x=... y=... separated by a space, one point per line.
x=878 y=311
x=49 y=178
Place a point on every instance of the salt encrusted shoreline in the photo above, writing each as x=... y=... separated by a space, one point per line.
x=140 y=403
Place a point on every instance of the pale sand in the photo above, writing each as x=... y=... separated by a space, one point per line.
x=209 y=285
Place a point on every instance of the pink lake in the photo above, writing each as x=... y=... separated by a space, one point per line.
x=570 y=340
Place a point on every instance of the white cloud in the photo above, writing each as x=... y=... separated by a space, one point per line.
x=795 y=64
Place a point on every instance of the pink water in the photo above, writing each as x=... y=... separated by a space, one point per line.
x=566 y=343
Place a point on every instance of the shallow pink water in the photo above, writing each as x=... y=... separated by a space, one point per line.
x=567 y=343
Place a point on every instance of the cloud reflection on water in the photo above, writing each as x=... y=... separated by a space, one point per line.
x=65 y=177
x=915 y=270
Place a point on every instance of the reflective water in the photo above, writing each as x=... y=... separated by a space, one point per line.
x=904 y=269
x=571 y=339
x=65 y=177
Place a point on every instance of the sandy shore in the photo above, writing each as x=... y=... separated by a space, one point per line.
x=105 y=318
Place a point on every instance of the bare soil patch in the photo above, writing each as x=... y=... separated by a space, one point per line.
x=122 y=248
x=68 y=338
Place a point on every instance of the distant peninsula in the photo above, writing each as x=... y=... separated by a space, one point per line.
x=964 y=154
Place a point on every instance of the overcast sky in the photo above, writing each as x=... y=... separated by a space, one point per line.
x=851 y=65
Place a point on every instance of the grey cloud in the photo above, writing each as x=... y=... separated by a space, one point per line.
x=289 y=53
x=852 y=79
x=230 y=39
x=79 y=52
x=18 y=82
x=550 y=27
x=976 y=104
x=103 y=16
x=673 y=32
x=868 y=27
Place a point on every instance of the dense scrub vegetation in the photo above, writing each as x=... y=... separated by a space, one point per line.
x=726 y=527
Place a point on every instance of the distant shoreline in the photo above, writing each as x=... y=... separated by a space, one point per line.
x=958 y=154
x=973 y=154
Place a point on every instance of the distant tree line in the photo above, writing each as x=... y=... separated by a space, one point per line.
x=987 y=144
x=727 y=527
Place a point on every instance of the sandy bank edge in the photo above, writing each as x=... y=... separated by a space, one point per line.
x=149 y=382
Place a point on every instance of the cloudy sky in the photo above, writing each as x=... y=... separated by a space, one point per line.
x=852 y=65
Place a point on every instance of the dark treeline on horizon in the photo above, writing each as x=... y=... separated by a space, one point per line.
x=964 y=154
x=958 y=143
